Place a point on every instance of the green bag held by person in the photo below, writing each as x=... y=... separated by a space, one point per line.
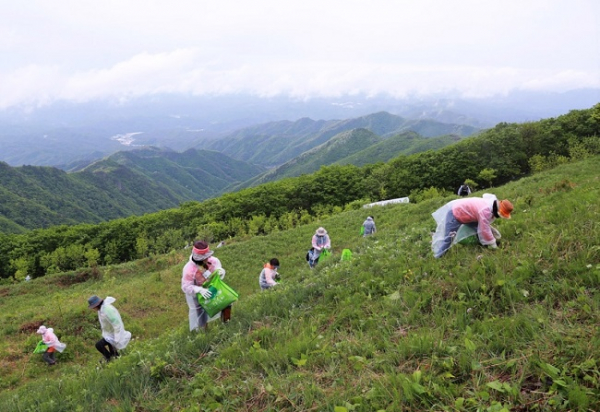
x=325 y=254
x=41 y=347
x=467 y=235
x=222 y=295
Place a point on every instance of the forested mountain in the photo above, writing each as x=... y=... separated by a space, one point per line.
x=496 y=156
x=357 y=147
x=338 y=147
x=401 y=144
x=275 y=143
x=127 y=183
x=191 y=175
x=148 y=179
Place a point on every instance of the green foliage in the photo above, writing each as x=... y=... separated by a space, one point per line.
x=498 y=155
x=393 y=329
x=487 y=175
x=420 y=195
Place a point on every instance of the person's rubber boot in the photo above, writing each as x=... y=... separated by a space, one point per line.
x=226 y=314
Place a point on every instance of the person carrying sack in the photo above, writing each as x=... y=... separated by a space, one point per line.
x=196 y=271
x=368 y=226
x=52 y=343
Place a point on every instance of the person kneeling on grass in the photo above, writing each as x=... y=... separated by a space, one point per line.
x=50 y=340
x=269 y=275
x=114 y=335
x=320 y=241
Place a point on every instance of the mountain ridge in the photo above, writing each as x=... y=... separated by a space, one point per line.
x=124 y=184
x=273 y=144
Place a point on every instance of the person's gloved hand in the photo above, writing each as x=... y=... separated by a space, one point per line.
x=221 y=273
x=206 y=294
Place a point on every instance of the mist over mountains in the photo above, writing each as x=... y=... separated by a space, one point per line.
x=66 y=135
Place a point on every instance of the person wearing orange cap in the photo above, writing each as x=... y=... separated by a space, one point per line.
x=481 y=211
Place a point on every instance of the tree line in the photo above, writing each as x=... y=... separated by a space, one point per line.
x=498 y=155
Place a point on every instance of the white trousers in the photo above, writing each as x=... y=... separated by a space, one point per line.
x=197 y=315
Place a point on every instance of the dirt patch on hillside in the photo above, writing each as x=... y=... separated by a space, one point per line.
x=78 y=277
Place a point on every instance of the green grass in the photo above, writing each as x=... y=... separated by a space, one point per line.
x=393 y=329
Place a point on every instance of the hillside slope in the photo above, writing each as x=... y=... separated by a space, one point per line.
x=393 y=329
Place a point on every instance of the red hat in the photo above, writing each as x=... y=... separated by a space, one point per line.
x=201 y=251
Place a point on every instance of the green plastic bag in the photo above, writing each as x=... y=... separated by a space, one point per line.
x=362 y=230
x=41 y=347
x=325 y=254
x=346 y=255
x=222 y=295
x=467 y=235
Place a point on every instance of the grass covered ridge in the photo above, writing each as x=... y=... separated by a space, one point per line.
x=394 y=329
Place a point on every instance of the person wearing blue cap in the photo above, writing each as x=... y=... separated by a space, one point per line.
x=114 y=335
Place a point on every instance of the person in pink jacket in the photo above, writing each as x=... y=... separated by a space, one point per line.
x=196 y=271
x=481 y=211
x=50 y=339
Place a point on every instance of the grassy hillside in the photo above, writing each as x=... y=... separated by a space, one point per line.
x=393 y=329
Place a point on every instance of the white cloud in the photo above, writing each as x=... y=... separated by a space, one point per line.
x=79 y=51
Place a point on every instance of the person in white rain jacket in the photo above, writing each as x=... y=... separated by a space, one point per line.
x=50 y=339
x=479 y=211
x=114 y=335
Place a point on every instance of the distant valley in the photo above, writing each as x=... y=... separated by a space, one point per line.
x=68 y=135
x=148 y=179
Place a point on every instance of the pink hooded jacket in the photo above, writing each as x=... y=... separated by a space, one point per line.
x=193 y=276
x=50 y=338
x=476 y=210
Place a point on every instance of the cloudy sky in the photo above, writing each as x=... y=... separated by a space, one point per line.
x=81 y=50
